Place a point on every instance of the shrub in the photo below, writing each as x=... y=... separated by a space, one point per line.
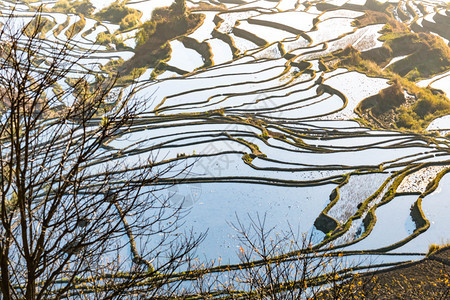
x=430 y=104
x=145 y=32
x=413 y=75
x=407 y=121
x=104 y=38
x=113 y=65
x=129 y=21
x=107 y=39
x=119 y=13
x=433 y=248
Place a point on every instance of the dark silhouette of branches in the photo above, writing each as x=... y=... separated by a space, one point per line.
x=76 y=216
x=278 y=264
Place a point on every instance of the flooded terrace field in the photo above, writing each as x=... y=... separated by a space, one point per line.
x=268 y=128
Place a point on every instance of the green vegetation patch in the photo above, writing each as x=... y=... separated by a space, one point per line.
x=108 y=39
x=39 y=24
x=375 y=17
x=404 y=104
x=119 y=13
x=429 y=106
x=81 y=7
x=152 y=38
x=167 y=22
x=427 y=54
x=388 y=98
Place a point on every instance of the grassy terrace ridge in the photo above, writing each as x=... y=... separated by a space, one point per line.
x=82 y=7
x=152 y=48
x=117 y=12
x=45 y=25
x=404 y=104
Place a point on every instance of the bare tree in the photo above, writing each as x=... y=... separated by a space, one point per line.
x=76 y=218
x=278 y=264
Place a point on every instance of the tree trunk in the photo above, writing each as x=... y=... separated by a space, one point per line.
x=5 y=277
x=31 y=281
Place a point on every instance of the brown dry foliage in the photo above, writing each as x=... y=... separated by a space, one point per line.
x=375 y=17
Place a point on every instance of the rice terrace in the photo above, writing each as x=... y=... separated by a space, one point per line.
x=225 y=149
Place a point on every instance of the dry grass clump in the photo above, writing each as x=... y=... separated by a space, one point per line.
x=432 y=248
